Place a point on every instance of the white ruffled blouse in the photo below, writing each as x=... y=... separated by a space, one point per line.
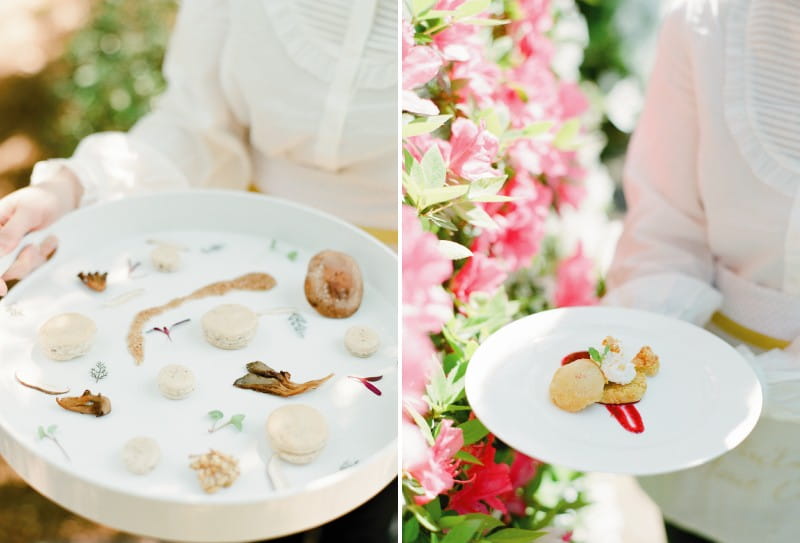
x=296 y=96
x=713 y=186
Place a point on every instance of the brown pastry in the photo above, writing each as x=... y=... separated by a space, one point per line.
x=333 y=284
x=647 y=361
x=614 y=393
x=577 y=385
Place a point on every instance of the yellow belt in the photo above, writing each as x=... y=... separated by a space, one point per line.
x=743 y=333
x=389 y=237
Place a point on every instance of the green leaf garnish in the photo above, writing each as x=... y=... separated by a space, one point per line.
x=215 y=414
x=236 y=421
x=595 y=355
x=41 y=433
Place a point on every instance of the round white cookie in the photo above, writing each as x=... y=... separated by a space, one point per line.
x=361 y=341
x=176 y=382
x=297 y=432
x=166 y=258
x=67 y=336
x=229 y=326
x=140 y=455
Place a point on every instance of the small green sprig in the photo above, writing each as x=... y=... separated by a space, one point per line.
x=595 y=355
x=298 y=323
x=98 y=372
x=291 y=255
x=217 y=415
x=50 y=433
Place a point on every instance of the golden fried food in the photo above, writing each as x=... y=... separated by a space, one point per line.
x=646 y=361
x=632 y=392
x=577 y=385
x=612 y=343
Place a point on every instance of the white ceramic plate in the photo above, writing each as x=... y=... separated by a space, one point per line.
x=704 y=401
x=169 y=503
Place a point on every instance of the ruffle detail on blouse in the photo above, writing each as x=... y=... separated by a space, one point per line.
x=767 y=135
x=320 y=57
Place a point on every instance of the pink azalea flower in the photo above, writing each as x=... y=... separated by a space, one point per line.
x=473 y=149
x=481 y=78
x=486 y=482
x=480 y=274
x=434 y=468
x=569 y=192
x=420 y=64
x=426 y=305
x=521 y=222
x=419 y=145
x=575 y=281
x=572 y=99
x=419 y=359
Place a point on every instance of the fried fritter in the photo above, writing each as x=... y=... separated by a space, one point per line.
x=647 y=361
x=614 y=393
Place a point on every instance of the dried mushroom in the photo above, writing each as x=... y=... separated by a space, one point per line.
x=94 y=280
x=262 y=378
x=87 y=403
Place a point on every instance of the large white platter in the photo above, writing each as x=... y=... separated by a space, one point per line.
x=169 y=503
x=705 y=400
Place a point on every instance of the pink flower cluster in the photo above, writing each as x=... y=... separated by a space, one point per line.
x=542 y=176
x=426 y=305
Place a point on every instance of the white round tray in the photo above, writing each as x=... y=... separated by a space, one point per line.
x=360 y=456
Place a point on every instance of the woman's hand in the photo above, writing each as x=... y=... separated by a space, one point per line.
x=33 y=208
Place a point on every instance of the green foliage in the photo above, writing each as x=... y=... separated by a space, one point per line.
x=111 y=70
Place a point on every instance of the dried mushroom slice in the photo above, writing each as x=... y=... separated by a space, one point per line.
x=94 y=280
x=262 y=378
x=87 y=404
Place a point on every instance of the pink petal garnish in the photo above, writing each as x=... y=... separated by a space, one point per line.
x=366 y=382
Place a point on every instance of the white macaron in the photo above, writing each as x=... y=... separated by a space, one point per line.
x=361 y=341
x=141 y=455
x=229 y=326
x=67 y=336
x=166 y=258
x=176 y=382
x=297 y=432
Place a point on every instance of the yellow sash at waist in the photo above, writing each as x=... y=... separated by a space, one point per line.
x=747 y=335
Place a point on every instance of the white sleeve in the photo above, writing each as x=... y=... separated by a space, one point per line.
x=663 y=262
x=191 y=138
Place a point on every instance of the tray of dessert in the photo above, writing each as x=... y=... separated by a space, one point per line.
x=613 y=390
x=203 y=366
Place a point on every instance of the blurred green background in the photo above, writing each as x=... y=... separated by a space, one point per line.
x=69 y=68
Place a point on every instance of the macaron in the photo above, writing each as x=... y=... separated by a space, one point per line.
x=140 y=455
x=297 y=433
x=229 y=326
x=166 y=258
x=361 y=341
x=67 y=336
x=176 y=382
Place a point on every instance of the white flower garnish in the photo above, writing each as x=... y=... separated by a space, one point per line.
x=617 y=369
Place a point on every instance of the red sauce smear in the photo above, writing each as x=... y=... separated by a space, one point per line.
x=626 y=413
x=572 y=357
x=627 y=416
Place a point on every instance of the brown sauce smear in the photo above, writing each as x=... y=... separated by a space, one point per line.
x=250 y=281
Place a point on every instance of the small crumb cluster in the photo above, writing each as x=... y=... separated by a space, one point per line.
x=215 y=470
